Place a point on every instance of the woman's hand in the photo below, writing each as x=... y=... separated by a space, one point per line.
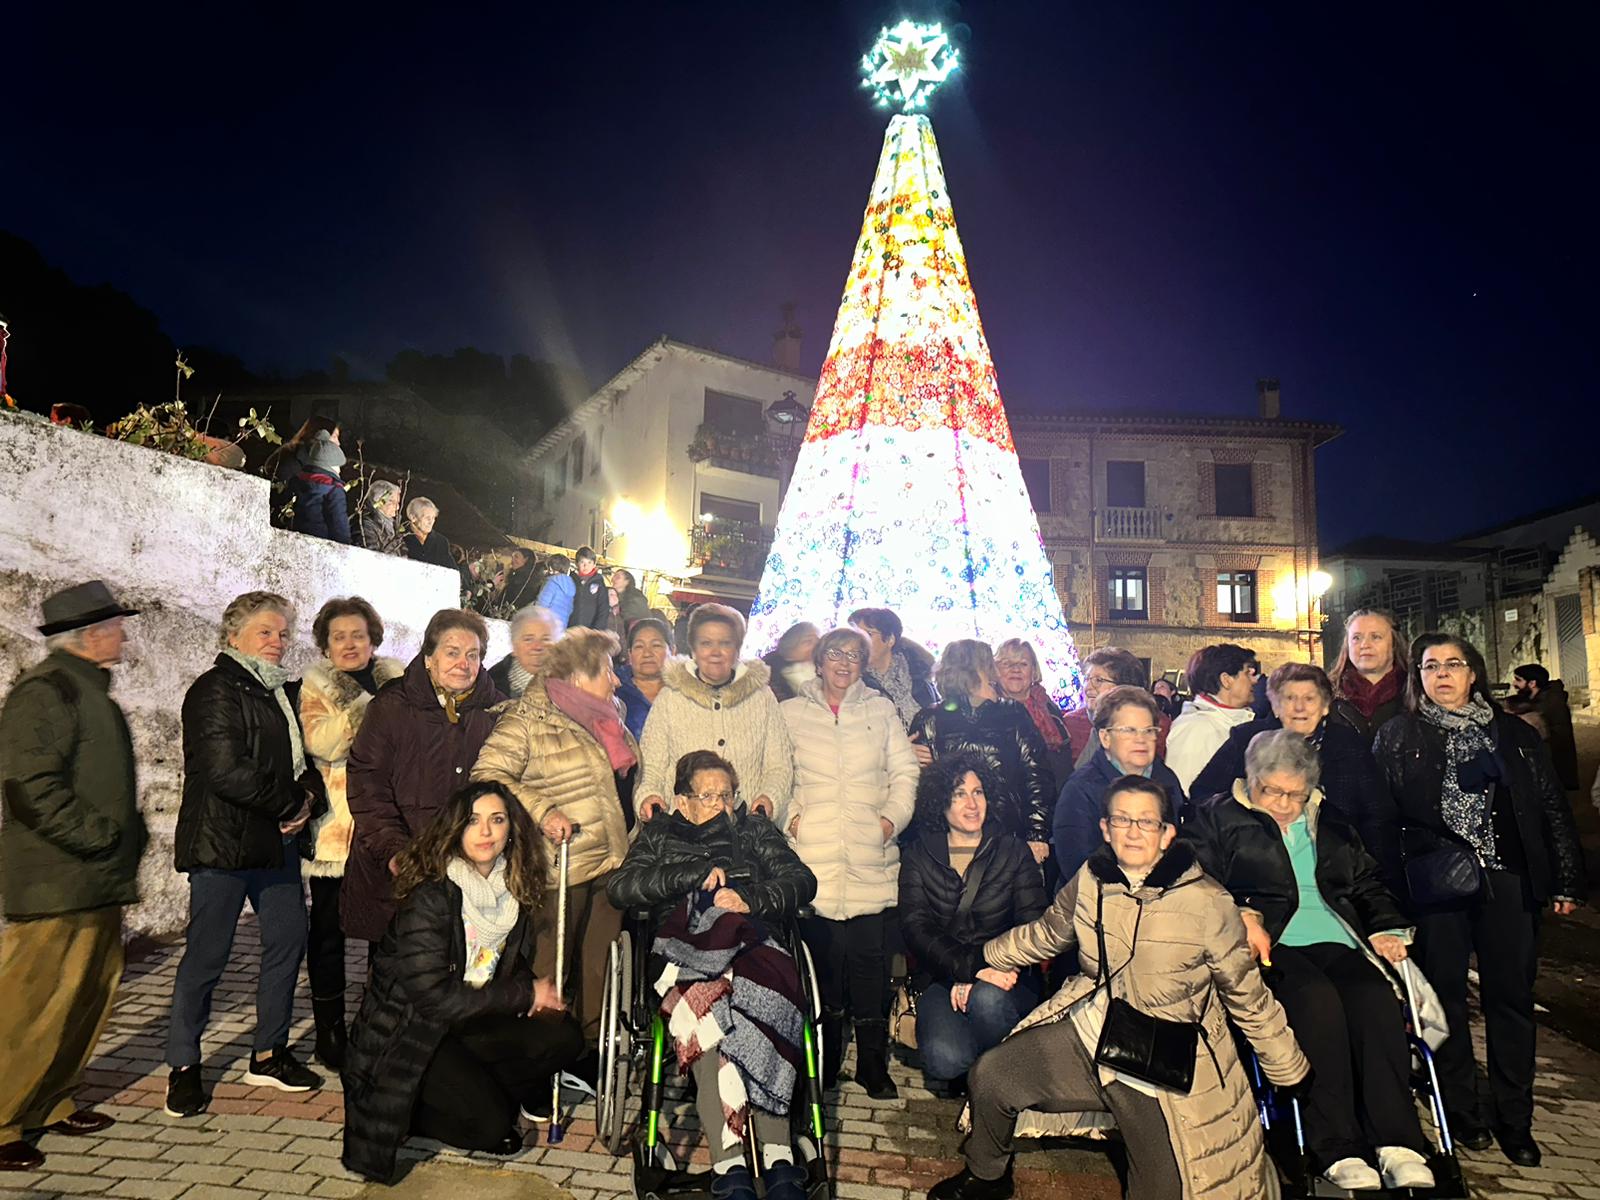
x=394 y=866
x=650 y=806
x=924 y=755
x=297 y=822
x=1564 y=908
x=794 y=825
x=1389 y=947
x=888 y=829
x=545 y=998
x=556 y=826
x=1004 y=980
x=762 y=805
x=1039 y=850
x=959 y=995
x=1260 y=941
x=716 y=881
x=730 y=901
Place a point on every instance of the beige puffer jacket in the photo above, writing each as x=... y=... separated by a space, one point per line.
x=738 y=720
x=551 y=762
x=850 y=771
x=1190 y=963
x=331 y=707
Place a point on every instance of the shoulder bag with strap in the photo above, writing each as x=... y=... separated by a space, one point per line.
x=1132 y=1042
x=903 y=1008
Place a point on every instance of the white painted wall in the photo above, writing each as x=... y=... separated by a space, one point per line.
x=177 y=540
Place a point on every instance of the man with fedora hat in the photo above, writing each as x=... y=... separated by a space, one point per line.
x=70 y=842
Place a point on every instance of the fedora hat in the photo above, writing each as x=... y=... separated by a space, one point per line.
x=86 y=604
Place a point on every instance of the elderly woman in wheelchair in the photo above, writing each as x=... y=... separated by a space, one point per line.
x=722 y=886
x=1324 y=928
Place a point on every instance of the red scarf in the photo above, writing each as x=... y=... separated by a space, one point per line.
x=1369 y=697
x=1046 y=717
x=597 y=716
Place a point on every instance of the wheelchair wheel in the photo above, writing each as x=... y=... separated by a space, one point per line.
x=616 y=1046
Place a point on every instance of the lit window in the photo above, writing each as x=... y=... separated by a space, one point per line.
x=1128 y=596
x=1236 y=595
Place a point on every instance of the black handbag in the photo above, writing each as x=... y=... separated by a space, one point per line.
x=1444 y=876
x=1134 y=1043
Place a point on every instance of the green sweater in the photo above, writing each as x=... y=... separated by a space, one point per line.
x=1313 y=920
x=71 y=835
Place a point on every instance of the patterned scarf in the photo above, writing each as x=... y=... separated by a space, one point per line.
x=1046 y=717
x=488 y=911
x=897 y=682
x=1467 y=814
x=519 y=678
x=450 y=700
x=273 y=677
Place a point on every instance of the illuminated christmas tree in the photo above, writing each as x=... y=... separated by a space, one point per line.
x=907 y=493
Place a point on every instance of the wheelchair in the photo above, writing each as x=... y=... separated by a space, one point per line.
x=1285 y=1132
x=635 y=1046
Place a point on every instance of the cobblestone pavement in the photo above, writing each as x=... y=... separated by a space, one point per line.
x=258 y=1142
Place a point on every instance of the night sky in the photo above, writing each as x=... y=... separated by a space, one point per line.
x=1391 y=208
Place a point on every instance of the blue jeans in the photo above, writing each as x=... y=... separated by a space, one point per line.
x=215 y=901
x=950 y=1041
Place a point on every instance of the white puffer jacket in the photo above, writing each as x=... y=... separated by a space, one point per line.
x=1198 y=733
x=849 y=771
x=738 y=720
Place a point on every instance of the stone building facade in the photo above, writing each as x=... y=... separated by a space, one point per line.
x=1169 y=533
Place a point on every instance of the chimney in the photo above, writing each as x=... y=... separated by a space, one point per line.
x=786 y=342
x=1268 y=399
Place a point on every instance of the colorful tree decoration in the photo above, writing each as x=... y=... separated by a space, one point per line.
x=907 y=492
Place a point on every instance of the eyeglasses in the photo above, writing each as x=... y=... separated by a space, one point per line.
x=1277 y=793
x=1145 y=824
x=849 y=656
x=1102 y=681
x=720 y=799
x=1012 y=664
x=1143 y=732
x=1448 y=666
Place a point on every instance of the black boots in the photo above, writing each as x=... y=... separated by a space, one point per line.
x=331 y=1034
x=832 y=1047
x=872 y=1059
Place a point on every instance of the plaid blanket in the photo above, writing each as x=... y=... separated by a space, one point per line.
x=726 y=986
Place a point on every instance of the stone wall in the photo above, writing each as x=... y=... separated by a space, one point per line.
x=177 y=540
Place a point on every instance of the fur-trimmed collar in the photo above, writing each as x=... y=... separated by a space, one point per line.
x=749 y=677
x=1177 y=866
x=342 y=688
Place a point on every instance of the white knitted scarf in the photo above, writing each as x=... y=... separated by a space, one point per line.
x=488 y=911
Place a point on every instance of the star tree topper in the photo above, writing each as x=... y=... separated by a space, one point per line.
x=911 y=59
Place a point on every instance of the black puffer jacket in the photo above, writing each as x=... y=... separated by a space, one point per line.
x=1003 y=734
x=1411 y=757
x=238 y=773
x=672 y=857
x=1010 y=893
x=1242 y=848
x=1351 y=784
x=415 y=996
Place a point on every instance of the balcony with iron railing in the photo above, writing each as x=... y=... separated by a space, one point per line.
x=768 y=454
x=1129 y=524
x=735 y=549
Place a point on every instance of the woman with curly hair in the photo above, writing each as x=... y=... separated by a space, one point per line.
x=456 y=1037
x=963 y=880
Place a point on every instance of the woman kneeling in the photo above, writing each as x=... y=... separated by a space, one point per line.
x=1173 y=947
x=721 y=874
x=455 y=1034
x=1319 y=920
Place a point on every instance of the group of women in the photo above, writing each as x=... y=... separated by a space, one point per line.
x=423 y=801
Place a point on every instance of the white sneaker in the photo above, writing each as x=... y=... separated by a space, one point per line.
x=1403 y=1167
x=1353 y=1175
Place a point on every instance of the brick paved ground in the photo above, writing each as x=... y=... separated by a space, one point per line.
x=258 y=1142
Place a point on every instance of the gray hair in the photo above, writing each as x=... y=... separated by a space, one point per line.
x=963 y=665
x=381 y=491
x=419 y=506
x=242 y=609
x=69 y=639
x=532 y=612
x=1281 y=750
x=796 y=634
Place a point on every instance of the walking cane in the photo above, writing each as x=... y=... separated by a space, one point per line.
x=556 y=1132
